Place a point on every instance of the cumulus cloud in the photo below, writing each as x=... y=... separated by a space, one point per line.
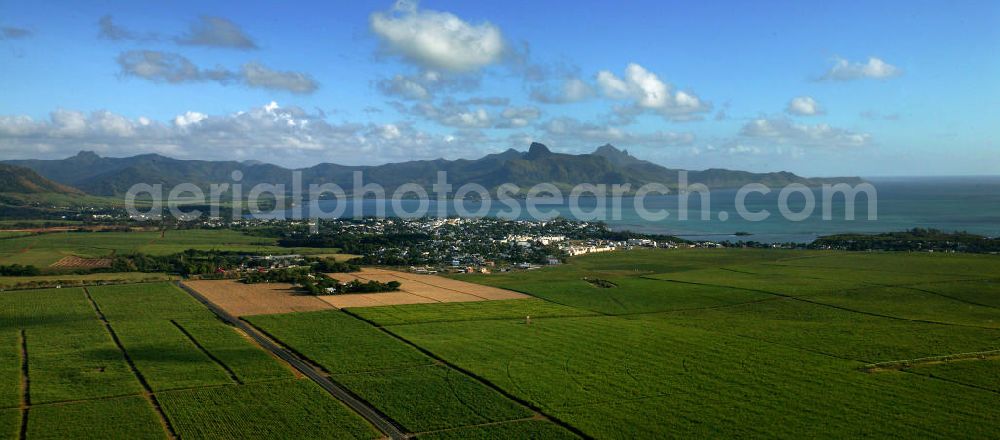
x=472 y=113
x=571 y=90
x=804 y=106
x=289 y=133
x=14 y=33
x=173 y=68
x=874 y=68
x=217 y=32
x=785 y=132
x=516 y=117
x=450 y=113
x=646 y=92
x=570 y=131
x=437 y=40
x=424 y=85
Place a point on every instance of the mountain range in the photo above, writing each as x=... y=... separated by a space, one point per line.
x=110 y=176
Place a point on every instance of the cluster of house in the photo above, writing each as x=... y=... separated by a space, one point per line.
x=529 y=240
x=594 y=246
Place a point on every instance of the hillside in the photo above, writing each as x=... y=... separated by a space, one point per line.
x=21 y=180
x=609 y=165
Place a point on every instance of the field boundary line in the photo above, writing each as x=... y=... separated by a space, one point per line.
x=866 y=285
x=447 y=321
x=242 y=334
x=833 y=306
x=379 y=420
x=956 y=299
x=478 y=378
x=25 y=386
x=951 y=381
x=97 y=283
x=907 y=363
x=150 y=396
x=232 y=374
x=864 y=269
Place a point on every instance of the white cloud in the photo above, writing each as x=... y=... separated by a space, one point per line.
x=516 y=117
x=804 y=106
x=187 y=118
x=289 y=134
x=437 y=40
x=647 y=92
x=571 y=133
x=785 y=132
x=874 y=68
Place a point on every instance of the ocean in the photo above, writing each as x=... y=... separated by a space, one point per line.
x=970 y=204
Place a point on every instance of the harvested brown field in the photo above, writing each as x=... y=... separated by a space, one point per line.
x=414 y=289
x=74 y=262
x=241 y=299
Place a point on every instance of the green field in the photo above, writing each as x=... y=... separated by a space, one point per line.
x=70 y=280
x=395 y=378
x=296 y=409
x=82 y=384
x=670 y=343
x=42 y=250
x=709 y=343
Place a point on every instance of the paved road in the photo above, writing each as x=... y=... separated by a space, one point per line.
x=371 y=414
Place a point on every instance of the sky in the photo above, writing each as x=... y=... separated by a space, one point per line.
x=814 y=87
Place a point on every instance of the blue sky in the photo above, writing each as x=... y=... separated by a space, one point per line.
x=817 y=88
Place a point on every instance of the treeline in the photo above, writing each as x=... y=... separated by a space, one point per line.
x=916 y=239
x=189 y=262
x=17 y=270
x=205 y=262
x=361 y=244
x=316 y=283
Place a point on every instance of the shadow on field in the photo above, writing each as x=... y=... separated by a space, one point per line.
x=10 y=321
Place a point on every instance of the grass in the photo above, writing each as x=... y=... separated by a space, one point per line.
x=291 y=409
x=985 y=293
x=686 y=343
x=534 y=429
x=515 y=309
x=722 y=343
x=176 y=343
x=432 y=397
x=123 y=418
x=982 y=373
x=82 y=386
x=397 y=379
x=339 y=342
x=10 y=423
x=70 y=280
x=42 y=250
x=70 y=355
x=247 y=362
x=10 y=369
